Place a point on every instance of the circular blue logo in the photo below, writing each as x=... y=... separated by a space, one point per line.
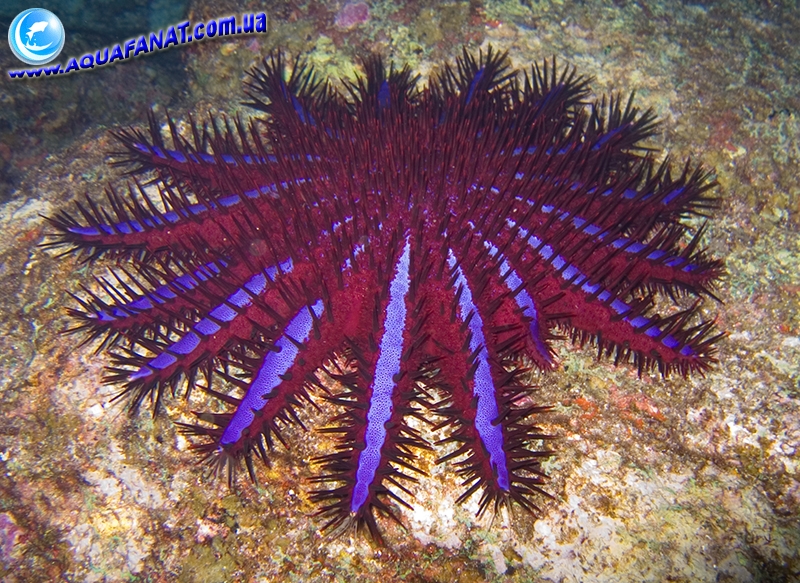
x=36 y=36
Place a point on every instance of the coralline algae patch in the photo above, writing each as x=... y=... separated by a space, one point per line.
x=582 y=535
x=9 y=534
x=352 y=14
x=106 y=515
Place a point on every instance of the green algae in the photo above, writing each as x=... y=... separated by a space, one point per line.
x=208 y=563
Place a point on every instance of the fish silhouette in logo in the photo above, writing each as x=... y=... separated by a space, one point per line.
x=36 y=27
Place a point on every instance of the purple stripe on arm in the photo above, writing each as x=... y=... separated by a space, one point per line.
x=640 y=323
x=189 y=342
x=275 y=364
x=388 y=365
x=161 y=294
x=524 y=300
x=491 y=435
x=627 y=245
x=206 y=327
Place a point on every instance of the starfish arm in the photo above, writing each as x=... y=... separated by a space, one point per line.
x=493 y=437
x=376 y=443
